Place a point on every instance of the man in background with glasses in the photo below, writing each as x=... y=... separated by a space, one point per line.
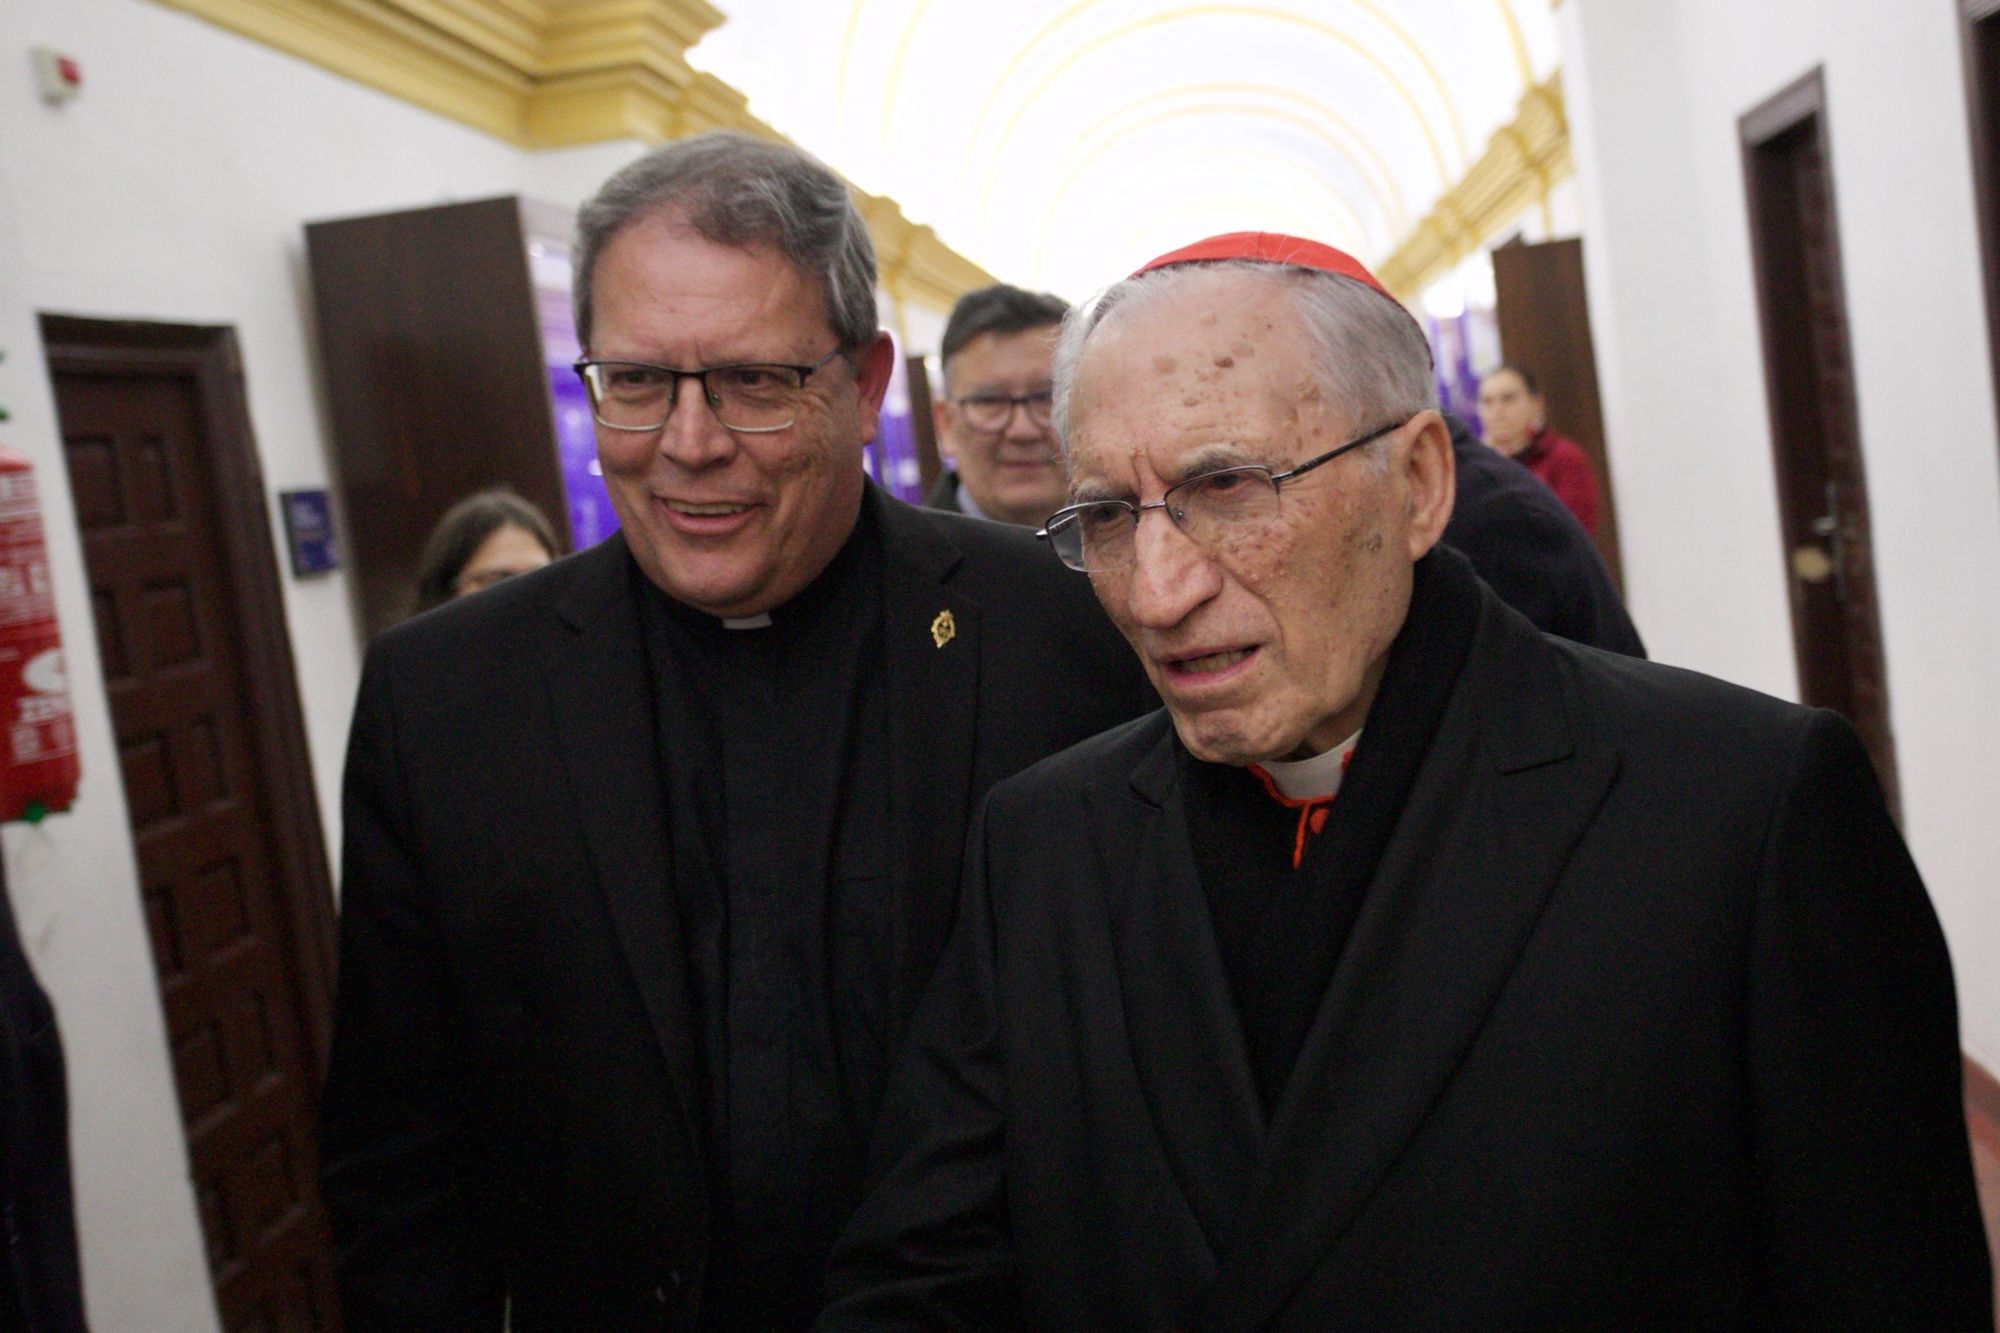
x=650 y=852
x=1414 y=969
x=993 y=418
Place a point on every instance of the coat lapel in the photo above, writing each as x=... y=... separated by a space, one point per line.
x=1503 y=797
x=1187 y=1041
x=931 y=650
x=596 y=674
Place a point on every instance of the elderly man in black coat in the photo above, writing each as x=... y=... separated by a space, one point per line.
x=1414 y=969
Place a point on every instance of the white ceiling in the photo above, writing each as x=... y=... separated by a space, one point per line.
x=1060 y=143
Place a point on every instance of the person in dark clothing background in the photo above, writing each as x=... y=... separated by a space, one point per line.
x=993 y=421
x=41 y=1283
x=1514 y=419
x=1531 y=550
x=484 y=538
x=648 y=853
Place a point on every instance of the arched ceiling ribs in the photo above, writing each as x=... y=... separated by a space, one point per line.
x=1517 y=43
x=892 y=86
x=1380 y=236
x=1217 y=100
x=1226 y=175
x=1444 y=110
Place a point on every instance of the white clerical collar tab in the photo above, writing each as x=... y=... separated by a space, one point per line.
x=758 y=621
x=1312 y=778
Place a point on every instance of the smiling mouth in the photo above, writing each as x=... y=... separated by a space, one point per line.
x=693 y=510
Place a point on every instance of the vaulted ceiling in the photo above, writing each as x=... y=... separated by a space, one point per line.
x=1058 y=143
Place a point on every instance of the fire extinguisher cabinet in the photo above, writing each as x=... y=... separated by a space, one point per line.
x=38 y=764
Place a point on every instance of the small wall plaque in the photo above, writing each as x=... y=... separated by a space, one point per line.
x=309 y=532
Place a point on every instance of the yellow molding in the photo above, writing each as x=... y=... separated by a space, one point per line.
x=1523 y=161
x=559 y=73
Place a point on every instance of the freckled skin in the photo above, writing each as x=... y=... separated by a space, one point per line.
x=665 y=295
x=1319 y=595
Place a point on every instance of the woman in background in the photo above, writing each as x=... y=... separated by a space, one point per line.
x=481 y=540
x=1515 y=417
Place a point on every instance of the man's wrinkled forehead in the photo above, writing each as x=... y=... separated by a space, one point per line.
x=1203 y=369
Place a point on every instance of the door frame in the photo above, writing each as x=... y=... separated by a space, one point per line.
x=209 y=357
x=1800 y=103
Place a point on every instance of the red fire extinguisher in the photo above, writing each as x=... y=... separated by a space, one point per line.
x=38 y=768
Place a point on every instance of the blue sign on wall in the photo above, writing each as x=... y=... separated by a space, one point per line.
x=309 y=532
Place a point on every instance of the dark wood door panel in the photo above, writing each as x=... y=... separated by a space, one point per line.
x=236 y=979
x=1544 y=323
x=1815 y=424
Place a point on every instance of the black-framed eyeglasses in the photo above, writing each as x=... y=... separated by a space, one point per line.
x=755 y=398
x=991 y=412
x=1213 y=509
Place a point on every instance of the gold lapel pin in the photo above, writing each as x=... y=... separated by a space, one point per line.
x=943 y=629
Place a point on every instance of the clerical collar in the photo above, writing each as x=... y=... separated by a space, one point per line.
x=805 y=604
x=1315 y=778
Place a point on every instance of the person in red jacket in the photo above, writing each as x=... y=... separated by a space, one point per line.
x=1513 y=414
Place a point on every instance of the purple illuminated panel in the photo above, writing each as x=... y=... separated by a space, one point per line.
x=590 y=517
x=1464 y=346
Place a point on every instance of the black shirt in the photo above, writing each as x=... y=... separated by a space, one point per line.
x=775 y=745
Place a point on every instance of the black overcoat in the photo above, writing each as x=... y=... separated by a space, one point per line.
x=1646 y=1022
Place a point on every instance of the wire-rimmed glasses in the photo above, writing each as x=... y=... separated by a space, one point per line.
x=755 y=398
x=1212 y=509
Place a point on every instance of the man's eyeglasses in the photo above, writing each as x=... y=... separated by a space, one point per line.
x=992 y=411
x=754 y=398
x=1212 y=509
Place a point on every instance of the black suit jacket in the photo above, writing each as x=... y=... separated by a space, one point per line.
x=513 y=1104
x=1646 y=1022
x=1531 y=550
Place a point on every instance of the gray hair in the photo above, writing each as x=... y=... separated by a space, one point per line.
x=999 y=309
x=1371 y=359
x=741 y=191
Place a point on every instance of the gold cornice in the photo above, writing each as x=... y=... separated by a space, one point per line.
x=1523 y=161
x=556 y=74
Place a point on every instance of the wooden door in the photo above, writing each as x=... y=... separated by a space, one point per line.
x=231 y=862
x=1816 y=438
x=1544 y=324
x=437 y=385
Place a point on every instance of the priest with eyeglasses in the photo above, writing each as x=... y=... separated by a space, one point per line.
x=649 y=853
x=1413 y=969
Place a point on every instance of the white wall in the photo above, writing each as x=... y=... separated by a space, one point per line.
x=1655 y=89
x=175 y=189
